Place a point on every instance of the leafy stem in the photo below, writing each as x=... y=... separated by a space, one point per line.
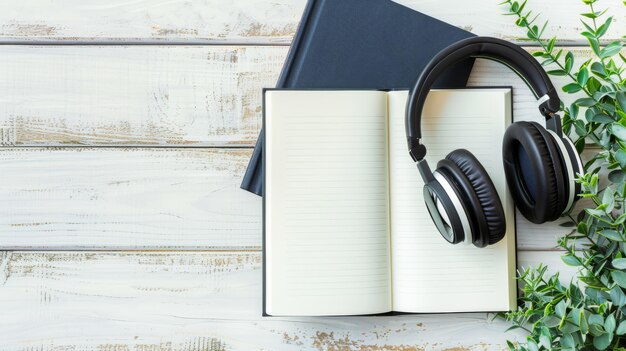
x=535 y=34
x=588 y=313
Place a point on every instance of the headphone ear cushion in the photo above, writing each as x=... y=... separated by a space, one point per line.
x=490 y=208
x=533 y=172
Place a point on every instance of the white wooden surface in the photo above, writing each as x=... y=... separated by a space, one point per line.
x=120 y=214
x=248 y=21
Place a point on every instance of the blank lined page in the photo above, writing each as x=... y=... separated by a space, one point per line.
x=428 y=273
x=326 y=203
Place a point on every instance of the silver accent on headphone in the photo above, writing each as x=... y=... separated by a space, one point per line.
x=458 y=207
x=579 y=162
x=543 y=99
x=570 y=170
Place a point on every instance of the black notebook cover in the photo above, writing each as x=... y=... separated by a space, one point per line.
x=361 y=44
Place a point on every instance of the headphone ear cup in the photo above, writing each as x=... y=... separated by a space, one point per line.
x=443 y=211
x=481 y=195
x=534 y=172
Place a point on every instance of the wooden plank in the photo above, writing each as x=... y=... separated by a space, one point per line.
x=160 y=95
x=198 y=301
x=135 y=198
x=145 y=198
x=252 y=21
x=161 y=21
x=134 y=95
x=487 y=18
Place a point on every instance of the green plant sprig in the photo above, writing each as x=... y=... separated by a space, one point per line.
x=595 y=79
x=589 y=313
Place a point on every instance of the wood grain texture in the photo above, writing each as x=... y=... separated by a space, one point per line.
x=146 y=198
x=163 y=21
x=134 y=95
x=251 y=21
x=81 y=198
x=111 y=195
x=161 y=95
x=198 y=301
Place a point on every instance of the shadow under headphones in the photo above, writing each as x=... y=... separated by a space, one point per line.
x=540 y=163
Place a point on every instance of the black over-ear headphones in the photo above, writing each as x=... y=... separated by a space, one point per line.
x=540 y=163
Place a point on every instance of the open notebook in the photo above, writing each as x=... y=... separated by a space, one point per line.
x=346 y=231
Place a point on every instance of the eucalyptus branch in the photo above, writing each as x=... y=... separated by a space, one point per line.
x=535 y=34
x=589 y=313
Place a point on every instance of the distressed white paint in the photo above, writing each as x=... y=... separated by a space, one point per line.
x=254 y=21
x=161 y=95
x=134 y=95
x=198 y=301
x=84 y=198
x=212 y=21
x=146 y=198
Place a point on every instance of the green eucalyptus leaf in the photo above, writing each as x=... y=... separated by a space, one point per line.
x=567 y=341
x=573 y=111
x=611 y=49
x=582 y=323
x=609 y=324
x=598 y=69
x=595 y=45
x=545 y=339
x=532 y=344
x=582 y=228
x=579 y=127
x=621 y=100
x=608 y=199
x=585 y=102
x=585 y=24
x=557 y=72
x=619 y=278
x=572 y=88
x=602 y=118
x=583 y=76
x=619 y=131
x=604 y=27
x=569 y=61
x=595 y=212
x=510 y=345
x=620 y=156
x=560 y=308
x=551 y=321
x=571 y=260
x=580 y=145
x=617 y=176
x=619 y=263
x=551 y=44
x=593 y=85
x=588 y=34
x=567 y=328
x=596 y=330
x=621 y=329
x=609 y=108
x=602 y=341
x=611 y=234
x=617 y=296
x=591 y=15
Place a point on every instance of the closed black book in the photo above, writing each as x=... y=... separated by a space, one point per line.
x=361 y=44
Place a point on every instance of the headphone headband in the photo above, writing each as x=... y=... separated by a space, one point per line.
x=511 y=55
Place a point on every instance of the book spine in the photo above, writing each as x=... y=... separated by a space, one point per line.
x=309 y=16
x=253 y=177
